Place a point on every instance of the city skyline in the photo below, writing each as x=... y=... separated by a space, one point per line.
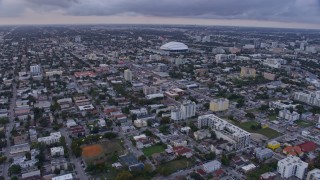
x=284 y=14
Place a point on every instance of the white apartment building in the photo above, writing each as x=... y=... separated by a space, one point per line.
x=185 y=111
x=290 y=116
x=224 y=57
x=35 y=69
x=128 y=75
x=292 y=166
x=314 y=174
x=273 y=63
x=57 y=151
x=63 y=177
x=53 y=138
x=221 y=104
x=211 y=166
x=311 y=98
x=151 y=90
x=280 y=105
x=139 y=112
x=235 y=135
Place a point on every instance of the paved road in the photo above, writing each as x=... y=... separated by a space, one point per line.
x=76 y=161
x=10 y=126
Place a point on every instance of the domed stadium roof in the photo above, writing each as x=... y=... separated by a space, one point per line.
x=174 y=46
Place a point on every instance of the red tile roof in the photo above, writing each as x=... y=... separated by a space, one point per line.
x=292 y=150
x=308 y=146
x=201 y=172
x=219 y=172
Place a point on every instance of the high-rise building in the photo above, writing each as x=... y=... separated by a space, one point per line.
x=35 y=69
x=128 y=75
x=185 y=111
x=314 y=174
x=221 y=104
x=312 y=98
x=292 y=166
x=247 y=72
x=238 y=137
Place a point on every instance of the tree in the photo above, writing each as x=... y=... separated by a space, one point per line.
x=142 y=158
x=210 y=156
x=165 y=120
x=14 y=169
x=206 y=105
x=250 y=115
x=28 y=155
x=124 y=175
x=264 y=107
x=225 y=160
x=57 y=171
x=3 y=159
x=193 y=127
x=3 y=121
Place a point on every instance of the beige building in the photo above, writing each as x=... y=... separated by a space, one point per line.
x=247 y=72
x=128 y=75
x=269 y=76
x=221 y=104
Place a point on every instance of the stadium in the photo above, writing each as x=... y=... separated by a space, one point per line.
x=174 y=47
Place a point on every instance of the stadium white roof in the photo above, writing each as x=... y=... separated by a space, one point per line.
x=174 y=46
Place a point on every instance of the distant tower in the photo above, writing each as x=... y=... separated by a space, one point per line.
x=128 y=75
x=318 y=124
x=77 y=39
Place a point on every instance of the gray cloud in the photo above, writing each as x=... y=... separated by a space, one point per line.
x=274 y=10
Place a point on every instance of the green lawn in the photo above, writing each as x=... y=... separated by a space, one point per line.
x=173 y=166
x=273 y=117
x=153 y=149
x=270 y=133
x=254 y=175
x=253 y=111
x=303 y=123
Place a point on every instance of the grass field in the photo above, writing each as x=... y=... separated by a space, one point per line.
x=173 y=166
x=273 y=117
x=102 y=152
x=303 y=123
x=153 y=149
x=270 y=133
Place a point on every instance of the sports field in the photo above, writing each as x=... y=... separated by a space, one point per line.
x=98 y=153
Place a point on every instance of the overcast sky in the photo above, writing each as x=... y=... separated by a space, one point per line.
x=274 y=13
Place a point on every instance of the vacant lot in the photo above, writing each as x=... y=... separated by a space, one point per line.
x=153 y=149
x=303 y=123
x=173 y=166
x=91 y=151
x=270 y=133
x=103 y=152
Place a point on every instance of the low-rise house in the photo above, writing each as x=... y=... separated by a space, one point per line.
x=21 y=148
x=211 y=166
x=201 y=134
x=59 y=163
x=53 y=138
x=292 y=150
x=263 y=153
x=182 y=151
x=57 y=151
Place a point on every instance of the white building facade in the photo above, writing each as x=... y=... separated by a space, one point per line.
x=292 y=166
x=235 y=135
x=186 y=110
